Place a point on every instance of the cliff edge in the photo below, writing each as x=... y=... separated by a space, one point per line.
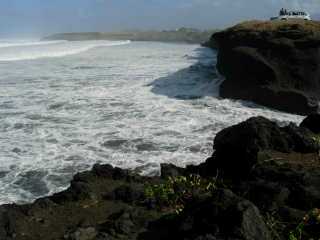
x=273 y=63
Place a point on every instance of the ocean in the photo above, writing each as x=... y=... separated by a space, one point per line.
x=65 y=106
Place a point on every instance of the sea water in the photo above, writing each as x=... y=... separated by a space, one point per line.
x=65 y=106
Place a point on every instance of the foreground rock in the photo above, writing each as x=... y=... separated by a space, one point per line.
x=274 y=63
x=237 y=148
x=108 y=203
x=276 y=168
x=266 y=178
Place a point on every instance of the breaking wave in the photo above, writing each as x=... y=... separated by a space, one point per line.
x=133 y=106
x=16 y=51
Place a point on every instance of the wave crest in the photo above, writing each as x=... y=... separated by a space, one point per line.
x=36 y=50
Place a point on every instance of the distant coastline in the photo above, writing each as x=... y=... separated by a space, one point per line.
x=182 y=35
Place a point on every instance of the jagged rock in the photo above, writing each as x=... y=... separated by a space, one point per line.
x=223 y=216
x=276 y=64
x=237 y=147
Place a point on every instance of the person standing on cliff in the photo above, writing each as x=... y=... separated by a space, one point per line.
x=281 y=12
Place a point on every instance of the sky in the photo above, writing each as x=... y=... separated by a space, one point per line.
x=43 y=17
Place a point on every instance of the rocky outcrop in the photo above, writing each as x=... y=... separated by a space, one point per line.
x=239 y=145
x=274 y=63
x=108 y=203
x=266 y=178
x=223 y=215
x=276 y=168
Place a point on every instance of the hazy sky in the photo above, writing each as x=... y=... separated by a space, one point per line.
x=40 y=17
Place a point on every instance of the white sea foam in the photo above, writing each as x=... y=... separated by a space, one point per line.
x=16 y=51
x=133 y=106
x=25 y=43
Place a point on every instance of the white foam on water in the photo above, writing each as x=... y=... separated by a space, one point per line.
x=24 y=43
x=18 y=51
x=133 y=106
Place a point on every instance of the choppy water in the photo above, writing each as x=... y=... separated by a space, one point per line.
x=67 y=105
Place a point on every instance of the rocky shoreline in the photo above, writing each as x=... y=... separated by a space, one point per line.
x=265 y=179
x=273 y=63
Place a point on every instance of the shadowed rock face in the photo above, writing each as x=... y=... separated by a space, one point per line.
x=276 y=64
x=312 y=123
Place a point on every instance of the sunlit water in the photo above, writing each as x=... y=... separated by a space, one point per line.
x=65 y=106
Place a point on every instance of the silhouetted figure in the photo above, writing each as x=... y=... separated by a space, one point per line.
x=281 y=12
x=285 y=12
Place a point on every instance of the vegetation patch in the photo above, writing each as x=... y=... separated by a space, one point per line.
x=308 y=228
x=175 y=192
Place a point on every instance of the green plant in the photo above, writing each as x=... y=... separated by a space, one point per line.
x=316 y=138
x=176 y=191
x=311 y=219
x=275 y=226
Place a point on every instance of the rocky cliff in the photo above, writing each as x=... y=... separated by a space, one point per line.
x=273 y=63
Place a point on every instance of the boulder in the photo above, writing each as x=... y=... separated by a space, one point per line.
x=237 y=147
x=273 y=63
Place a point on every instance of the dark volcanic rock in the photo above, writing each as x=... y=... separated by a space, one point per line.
x=276 y=168
x=312 y=122
x=237 y=147
x=286 y=185
x=170 y=170
x=276 y=64
x=222 y=216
